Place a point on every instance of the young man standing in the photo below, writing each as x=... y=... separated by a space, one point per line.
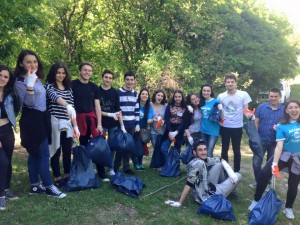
x=131 y=115
x=267 y=116
x=87 y=107
x=110 y=109
x=234 y=103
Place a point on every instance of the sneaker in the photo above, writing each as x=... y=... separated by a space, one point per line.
x=111 y=172
x=37 y=189
x=289 y=213
x=253 y=204
x=142 y=168
x=129 y=171
x=2 y=204
x=105 y=179
x=10 y=195
x=59 y=183
x=54 y=192
x=253 y=185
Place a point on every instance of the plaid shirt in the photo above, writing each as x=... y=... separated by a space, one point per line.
x=267 y=119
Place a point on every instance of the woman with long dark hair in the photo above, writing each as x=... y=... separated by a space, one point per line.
x=59 y=98
x=9 y=108
x=35 y=124
x=287 y=155
x=210 y=130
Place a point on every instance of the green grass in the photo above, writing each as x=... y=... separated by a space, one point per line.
x=106 y=206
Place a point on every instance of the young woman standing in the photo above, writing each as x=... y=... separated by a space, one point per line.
x=9 y=108
x=60 y=98
x=35 y=124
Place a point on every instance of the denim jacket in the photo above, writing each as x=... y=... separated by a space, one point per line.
x=9 y=107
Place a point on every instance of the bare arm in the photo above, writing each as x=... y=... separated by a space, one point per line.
x=278 y=150
x=184 y=193
x=245 y=108
x=256 y=121
x=98 y=115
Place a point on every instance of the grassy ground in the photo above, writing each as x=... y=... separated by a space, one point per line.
x=106 y=206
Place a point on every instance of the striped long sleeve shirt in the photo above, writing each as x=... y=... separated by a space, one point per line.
x=130 y=107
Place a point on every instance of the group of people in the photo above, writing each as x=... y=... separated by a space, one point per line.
x=55 y=113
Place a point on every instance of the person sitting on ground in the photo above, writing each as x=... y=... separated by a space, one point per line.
x=206 y=182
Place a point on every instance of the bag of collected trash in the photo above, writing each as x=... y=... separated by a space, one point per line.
x=121 y=142
x=172 y=165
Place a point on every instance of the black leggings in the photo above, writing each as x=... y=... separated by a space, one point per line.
x=7 y=140
x=266 y=174
x=66 y=147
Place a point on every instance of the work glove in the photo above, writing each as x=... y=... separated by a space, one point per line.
x=76 y=132
x=123 y=129
x=71 y=111
x=232 y=175
x=190 y=108
x=113 y=115
x=173 y=203
x=31 y=79
x=172 y=135
x=137 y=128
x=275 y=170
x=220 y=107
x=191 y=140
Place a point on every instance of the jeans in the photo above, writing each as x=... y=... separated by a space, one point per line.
x=7 y=140
x=111 y=134
x=38 y=165
x=258 y=158
x=235 y=134
x=210 y=143
x=153 y=139
x=166 y=143
x=66 y=149
x=266 y=174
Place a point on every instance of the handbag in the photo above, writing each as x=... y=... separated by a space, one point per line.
x=145 y=135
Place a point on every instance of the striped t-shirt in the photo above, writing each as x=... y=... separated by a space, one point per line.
x=55 y=109
x=130 y=107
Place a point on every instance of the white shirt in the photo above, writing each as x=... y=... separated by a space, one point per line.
x=233 y=106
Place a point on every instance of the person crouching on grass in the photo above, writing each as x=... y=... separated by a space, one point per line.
x=206 y=182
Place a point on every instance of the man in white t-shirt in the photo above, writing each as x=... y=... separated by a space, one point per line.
x=234 y=103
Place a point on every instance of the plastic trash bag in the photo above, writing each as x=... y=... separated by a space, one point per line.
x=172 y=165
x=254 y=139
x=216 y=114
x=187 y=155
x=218 y=207
x=157 y=160
x=121 y=142
x=266 y=210
x=99 y=151
x=131 y=186
x=138 y=150
x=82 y=175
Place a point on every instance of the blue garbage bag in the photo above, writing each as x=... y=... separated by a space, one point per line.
x=157 y=160
x=172 y=165
x=254 y=139
x=216 y=114
x=121 y=142
x=131 y=186
x=266 y=210
x=187 y=155
x=138 y=150
x=82 y=175
x=99 y=151
x=218 y=207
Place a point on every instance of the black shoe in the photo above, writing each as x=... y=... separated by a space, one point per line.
x=37 y=189
x=59 y=183
x=10 y=195
x=129 y=172
x=54 y=192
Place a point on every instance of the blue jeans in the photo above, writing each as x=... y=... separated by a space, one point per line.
x=258 y=157
x=210 y=143
x=38 y=165
x=111 y=134
x=153 y=139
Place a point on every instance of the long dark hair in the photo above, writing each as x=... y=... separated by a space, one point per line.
x=163 y=101
x=182 y=101
x=9 y=89
x=51 y=77
x=147 y=104
x=189 y=101
x=19 y=70
x=202 y=99
x=286 y=117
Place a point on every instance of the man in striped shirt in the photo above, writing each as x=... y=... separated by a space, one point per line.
x=131 y=116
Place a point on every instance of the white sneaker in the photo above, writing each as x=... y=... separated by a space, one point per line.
x=253 y=204
x=252 y=185
x=111 y=172
x=105 y=180
x=289 y=213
